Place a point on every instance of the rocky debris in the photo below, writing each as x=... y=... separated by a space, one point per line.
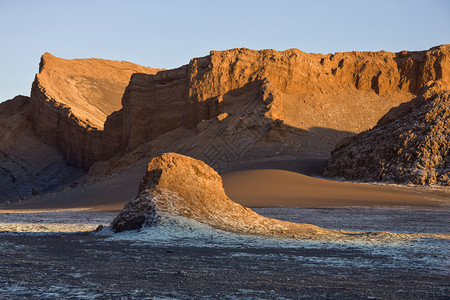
x=177 y=188
x=410 y=144
x=180 y=186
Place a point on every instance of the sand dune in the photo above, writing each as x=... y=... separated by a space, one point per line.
x=271 y=187
x=262 y=184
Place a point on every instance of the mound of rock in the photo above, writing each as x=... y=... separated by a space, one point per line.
x=180 y=186
x=177 y=189
x=410 y=144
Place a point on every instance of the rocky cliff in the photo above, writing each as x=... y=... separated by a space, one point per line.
x=71 y=100
x=243 y=104
x=230 y=105
x=410 y=144
x=27 y=164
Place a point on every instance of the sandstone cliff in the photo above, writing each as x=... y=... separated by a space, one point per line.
x=410 y=144
x=244 y=104
x=71 y=100
x=178 y=189
x=231 y=105
x=27 y=164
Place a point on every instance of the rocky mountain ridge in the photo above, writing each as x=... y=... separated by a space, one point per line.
x=260 y=89
x=245 y=104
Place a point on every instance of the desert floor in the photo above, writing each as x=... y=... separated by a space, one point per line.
x=49 y=248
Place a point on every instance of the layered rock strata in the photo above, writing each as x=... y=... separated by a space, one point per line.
x=410 y=144
x=242 y=103
x=234 y=104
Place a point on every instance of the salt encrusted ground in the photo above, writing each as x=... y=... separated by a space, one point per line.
x=53 y=221
x=188 y=260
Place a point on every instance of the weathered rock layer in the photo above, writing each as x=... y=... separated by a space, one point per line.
x=410 y=144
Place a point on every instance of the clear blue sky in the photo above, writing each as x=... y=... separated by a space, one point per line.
x=168 y=33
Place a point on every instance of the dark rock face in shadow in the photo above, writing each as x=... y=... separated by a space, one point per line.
x=410 y=144
x=28 y=166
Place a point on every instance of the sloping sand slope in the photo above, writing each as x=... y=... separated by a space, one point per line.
x=264 y=187
x=254 y=185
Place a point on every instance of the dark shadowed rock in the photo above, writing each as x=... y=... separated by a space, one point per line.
x=410 y=144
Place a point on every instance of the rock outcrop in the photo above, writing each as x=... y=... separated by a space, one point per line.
x=27 y=164
x=71 y=100
x=180 y=186
x=229 y=106
x=177 y=190
x=410 y=144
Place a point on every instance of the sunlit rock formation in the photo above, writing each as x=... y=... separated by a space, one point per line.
x=246 y=104
x=71 y=100
x=177 y=190
x=180 y=186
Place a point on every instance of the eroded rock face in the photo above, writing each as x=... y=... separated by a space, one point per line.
x=275 y=102
x=270 y=103
x=71 y=100
x=27 y=164
x=410 y=144
x=180 y=186
x=91 y=88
